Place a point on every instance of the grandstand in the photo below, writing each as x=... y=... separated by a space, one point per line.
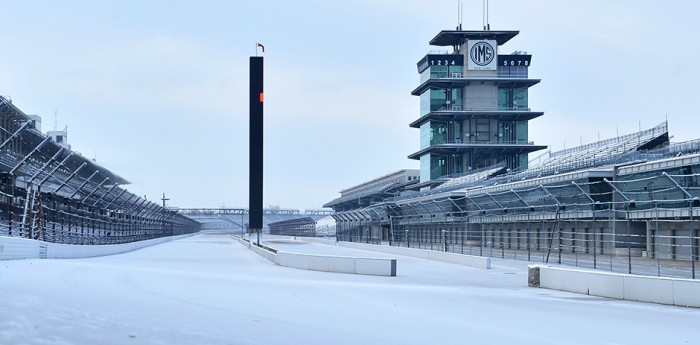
x=51 y=193
x=305 y=226
x=377 y=189
x=639 y=198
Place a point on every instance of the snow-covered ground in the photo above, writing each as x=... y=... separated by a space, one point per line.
x=209 y=289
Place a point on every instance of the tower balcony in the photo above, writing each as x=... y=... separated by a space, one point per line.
x=458 y=80
x=463 y=146
x=456 y=113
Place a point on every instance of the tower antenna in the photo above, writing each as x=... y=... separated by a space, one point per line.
x=483 y=13
x=460 y=15
x=488 y=26
x=55 y=119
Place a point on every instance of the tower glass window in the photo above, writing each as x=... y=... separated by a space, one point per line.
x=512 y=98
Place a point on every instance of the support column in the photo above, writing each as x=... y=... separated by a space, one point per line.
x=255 y=175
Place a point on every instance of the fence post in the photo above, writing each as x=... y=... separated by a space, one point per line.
x=692 y=236
x=629 y=236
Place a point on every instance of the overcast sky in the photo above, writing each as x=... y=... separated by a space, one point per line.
x=157 y=90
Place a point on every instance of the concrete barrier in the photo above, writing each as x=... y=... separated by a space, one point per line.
x=21 y=248
x=18 y=248
x=671 y=291
x=453 y=258
x=327 y=263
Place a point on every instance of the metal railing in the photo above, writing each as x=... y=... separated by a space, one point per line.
x=477 y=108
x=477 y=142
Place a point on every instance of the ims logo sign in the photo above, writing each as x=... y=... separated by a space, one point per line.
x=482 y=55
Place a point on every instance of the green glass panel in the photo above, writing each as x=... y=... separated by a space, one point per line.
x=438 y=166
x=438 y=133
x=425 y=103
x=425 y=135
x=521 y=131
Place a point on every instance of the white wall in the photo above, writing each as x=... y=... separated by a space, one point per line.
x=671 y=291
x=327 y=263
x=20 y=248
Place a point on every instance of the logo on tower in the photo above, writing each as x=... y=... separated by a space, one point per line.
x=482 y=55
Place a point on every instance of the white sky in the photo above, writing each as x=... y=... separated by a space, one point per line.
x=158 y=89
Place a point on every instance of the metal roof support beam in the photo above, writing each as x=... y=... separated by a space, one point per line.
x=31 y=179
x=152 y=209
x=174 y=214
x=494 y=200
x=415 y=211
x=426 y=209
x=683 y=190
x=37 y=148
x=115 y=199
x=125 y=201
x=473 y=202
x=552 y=195
x=521 y=199
x=135 y=206
x=583 y=191
x=92 y=192
x=438 y=205
x=73 y=174
x=81 y=186
x=619 y=191
x=145 y=208
x=15 y=134
x=454 y=203
x=105 y=194
x=60 y=164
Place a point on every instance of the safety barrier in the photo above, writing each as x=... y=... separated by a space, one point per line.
x=327 y=263
x=21 y=248
x=671 y=291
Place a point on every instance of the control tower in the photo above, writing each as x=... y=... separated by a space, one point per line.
x=474 y=109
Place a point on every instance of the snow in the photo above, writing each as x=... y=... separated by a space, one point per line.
x=209 y=289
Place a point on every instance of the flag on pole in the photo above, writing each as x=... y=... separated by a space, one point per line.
x=262 y=46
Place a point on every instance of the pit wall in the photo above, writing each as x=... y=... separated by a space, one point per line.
x=327 y=263
x=671 y=291
x=22 y=248
x=459 y=259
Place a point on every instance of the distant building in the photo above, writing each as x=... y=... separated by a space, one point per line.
x=36 y=122
x=59 y=137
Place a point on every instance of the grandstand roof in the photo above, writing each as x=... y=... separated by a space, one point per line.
x=376 y=189
x=31 y=138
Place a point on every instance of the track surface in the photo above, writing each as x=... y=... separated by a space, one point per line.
x=209 y=289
